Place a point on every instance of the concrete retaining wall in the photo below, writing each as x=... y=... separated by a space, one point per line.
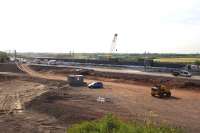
x=9 y=67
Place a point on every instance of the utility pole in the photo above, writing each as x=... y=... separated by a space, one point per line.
x=15 y=55
x=145 y=62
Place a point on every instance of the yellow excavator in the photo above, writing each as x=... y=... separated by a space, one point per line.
x=161 y=91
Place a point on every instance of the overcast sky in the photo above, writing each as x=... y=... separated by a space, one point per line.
x=163 y=26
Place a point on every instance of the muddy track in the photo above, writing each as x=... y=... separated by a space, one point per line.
x=26 y=69
x=15 y=117
x=14 y=93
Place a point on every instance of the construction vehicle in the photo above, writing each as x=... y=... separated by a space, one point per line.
x=113 y=47
x=161 y=91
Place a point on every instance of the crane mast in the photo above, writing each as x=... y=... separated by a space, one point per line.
x=113 y=46
x=114 y=43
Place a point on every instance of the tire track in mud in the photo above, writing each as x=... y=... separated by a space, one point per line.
x=14 y=94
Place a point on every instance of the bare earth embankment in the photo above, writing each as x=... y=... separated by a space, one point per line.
x=50 y=105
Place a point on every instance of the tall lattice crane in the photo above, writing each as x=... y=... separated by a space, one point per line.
x=113 y=46
x=114 y=43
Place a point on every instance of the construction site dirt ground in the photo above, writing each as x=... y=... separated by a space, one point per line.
x=50 y=105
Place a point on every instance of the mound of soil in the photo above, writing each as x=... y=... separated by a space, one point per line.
x=68 y=107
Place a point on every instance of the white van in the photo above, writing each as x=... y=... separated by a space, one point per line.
x=52 y=62
x=185 y=73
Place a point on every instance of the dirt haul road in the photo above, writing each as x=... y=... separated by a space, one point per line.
x=134 y=101
x=121 y=70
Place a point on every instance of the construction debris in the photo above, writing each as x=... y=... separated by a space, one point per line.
x=101 y=99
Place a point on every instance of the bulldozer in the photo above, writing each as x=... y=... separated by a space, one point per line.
x=161 y=91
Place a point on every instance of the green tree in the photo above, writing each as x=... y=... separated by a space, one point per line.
x=3 y=57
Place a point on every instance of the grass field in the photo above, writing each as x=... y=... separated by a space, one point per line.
x=177 y=60
x=111 y=124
